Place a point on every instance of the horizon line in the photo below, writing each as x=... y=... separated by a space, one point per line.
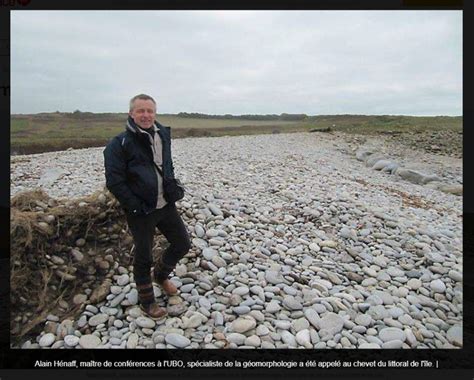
x=243 y=114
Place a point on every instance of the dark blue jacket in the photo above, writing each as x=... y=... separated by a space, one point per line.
x=130 y=173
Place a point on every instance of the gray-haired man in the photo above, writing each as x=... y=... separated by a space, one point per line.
x=137 y=162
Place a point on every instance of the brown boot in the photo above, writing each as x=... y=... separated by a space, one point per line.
x=160 y=273
x=154 y=311
x=147 y=301
x=168 y=287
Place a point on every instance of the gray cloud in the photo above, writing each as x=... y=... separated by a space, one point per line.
x=314 y=62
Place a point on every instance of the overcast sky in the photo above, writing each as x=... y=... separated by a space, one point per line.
x=216 y=62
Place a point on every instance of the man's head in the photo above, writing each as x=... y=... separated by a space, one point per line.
x=143 y=110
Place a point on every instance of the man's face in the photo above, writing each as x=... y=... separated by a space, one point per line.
x=143 y=113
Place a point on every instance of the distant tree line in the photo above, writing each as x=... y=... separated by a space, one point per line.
x=283 y=116
x=77 y=114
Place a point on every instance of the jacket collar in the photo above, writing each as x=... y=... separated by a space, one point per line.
x=134 y=128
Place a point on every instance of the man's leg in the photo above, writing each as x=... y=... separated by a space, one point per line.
x=143 y=229
x=173 y=228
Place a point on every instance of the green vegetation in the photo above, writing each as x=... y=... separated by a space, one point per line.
x=58 y=131
x=362 y=124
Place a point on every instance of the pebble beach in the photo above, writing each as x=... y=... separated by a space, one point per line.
x=296 y=244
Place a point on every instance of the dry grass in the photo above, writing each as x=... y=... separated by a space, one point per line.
x=34 y=282
x=59 y=131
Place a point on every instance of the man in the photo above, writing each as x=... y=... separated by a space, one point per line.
x=136 y=162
